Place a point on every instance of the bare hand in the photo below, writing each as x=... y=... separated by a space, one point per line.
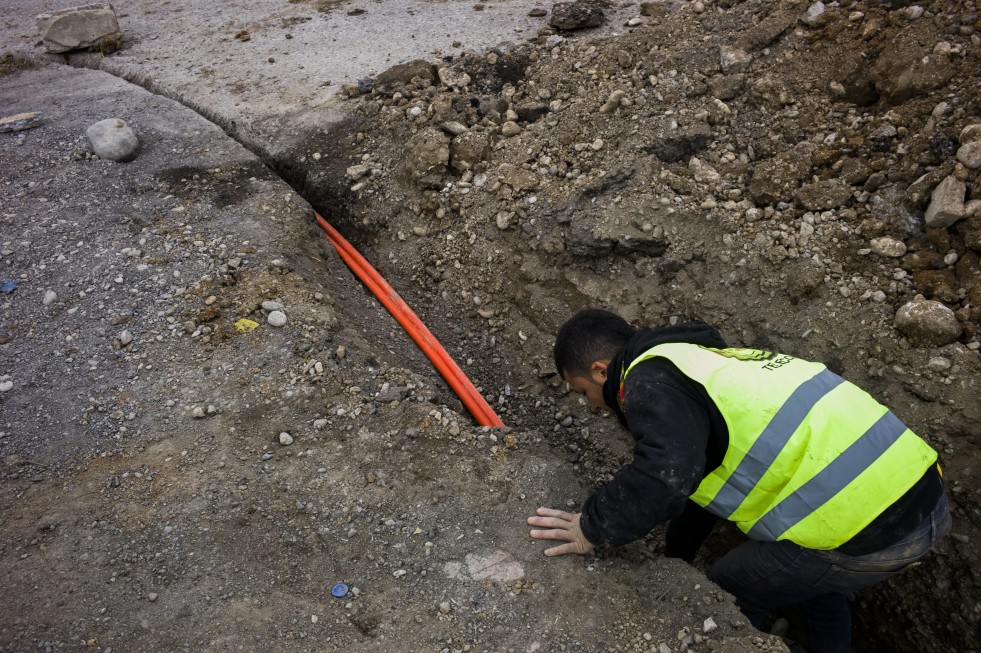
x=561 y=526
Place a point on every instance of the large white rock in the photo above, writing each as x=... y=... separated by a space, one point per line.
x=927 y=323
x=112 y=139
x=86 y=26
x=946 y=203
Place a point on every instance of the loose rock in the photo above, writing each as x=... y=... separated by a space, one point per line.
x=454 y=128
x=734 y=60
x=50 y=297
x=970 y=154
x=815 y=15
x=285 y=439
x=888 y=247
x=510 y=128
x=112 y=139
x=946 y=203
x=970 y=134
x=276 y=319
x=88 y=26
x=575 y=15
x=927 y=323
x=21 y=121
x=703 y=172
x=453 y=78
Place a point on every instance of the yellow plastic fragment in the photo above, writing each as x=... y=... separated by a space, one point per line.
x=246 y=326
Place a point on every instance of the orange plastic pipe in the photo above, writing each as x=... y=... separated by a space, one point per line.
x=441 y=360
x=444 y=364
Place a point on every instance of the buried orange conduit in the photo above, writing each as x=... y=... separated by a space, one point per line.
x=473 y=400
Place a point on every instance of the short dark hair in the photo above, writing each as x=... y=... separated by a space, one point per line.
x=589 y=336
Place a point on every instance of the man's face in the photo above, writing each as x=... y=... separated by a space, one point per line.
x=590 y=387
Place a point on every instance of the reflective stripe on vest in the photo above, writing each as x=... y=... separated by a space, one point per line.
x=811 y=457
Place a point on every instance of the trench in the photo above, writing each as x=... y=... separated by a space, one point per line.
x=872 y=631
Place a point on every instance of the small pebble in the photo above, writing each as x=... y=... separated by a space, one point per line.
x=50 y=297
x=152 y=596
x=285 y=439
x=125 y=338
x=6 y=386
x=271 y=306
x=276 y=319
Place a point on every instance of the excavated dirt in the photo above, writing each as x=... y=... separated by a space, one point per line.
x=814 y=144
x=147 y=502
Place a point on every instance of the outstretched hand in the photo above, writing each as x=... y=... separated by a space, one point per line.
x=560 y=526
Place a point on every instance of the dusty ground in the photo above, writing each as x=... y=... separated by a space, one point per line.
x=131 y=524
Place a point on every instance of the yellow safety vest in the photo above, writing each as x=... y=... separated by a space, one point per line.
x=812 y=458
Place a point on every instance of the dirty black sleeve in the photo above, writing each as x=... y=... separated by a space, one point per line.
x=671 y=426
x=688 y=531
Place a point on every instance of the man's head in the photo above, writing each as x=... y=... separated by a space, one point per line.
x=584 y=347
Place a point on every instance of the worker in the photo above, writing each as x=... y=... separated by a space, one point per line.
x=834 y=492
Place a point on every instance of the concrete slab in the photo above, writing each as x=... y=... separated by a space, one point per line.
x=250 y=65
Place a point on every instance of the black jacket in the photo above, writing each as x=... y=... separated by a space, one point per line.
x=679 y=434
x=680 y=437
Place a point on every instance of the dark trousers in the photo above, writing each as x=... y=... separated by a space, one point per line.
x=764 y=576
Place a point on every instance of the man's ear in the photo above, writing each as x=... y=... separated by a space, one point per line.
x=597 y=371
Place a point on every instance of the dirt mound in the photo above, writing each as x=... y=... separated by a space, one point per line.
x=747 y=166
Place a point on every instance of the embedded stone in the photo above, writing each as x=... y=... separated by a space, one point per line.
x=87 y=26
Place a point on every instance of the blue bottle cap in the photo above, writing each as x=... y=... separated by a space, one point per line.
x=339 y=591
